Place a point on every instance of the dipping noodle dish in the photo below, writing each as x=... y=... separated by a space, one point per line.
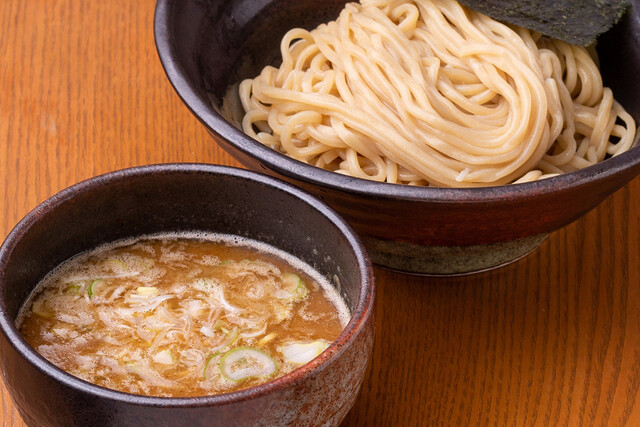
x=182 y=315
x=413 y=92
x=431 y=93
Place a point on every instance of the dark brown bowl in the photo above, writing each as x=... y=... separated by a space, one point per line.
x=183 y=197
x=207 y=47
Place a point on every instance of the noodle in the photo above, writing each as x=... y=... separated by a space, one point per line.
x=426 y=92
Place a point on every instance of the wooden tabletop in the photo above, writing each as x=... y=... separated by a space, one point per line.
x=551 y=339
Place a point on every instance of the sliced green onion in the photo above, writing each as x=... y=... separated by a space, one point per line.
x=72 y=290
x=92 y=286
x=293 y=288
x=132 y=367
x=116 y=265
x=221 y=325
x=40 y=308
x=301 y=353
x=291 y=282
x=147 y=263
x=246 y=362
x=206 y=364
x=232 y=337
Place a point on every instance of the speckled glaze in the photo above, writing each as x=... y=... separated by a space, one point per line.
x=207 y=47
x=434 y=260
x=182 y=197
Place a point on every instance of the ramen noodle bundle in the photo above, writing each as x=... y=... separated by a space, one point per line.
x=427 y=92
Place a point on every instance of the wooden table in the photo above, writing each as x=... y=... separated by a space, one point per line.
x=551 y=339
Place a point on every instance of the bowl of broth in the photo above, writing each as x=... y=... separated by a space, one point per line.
x=376 y=108
x=184 y=294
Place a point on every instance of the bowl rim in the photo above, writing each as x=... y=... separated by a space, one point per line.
x=302 y=172
x=360 y=315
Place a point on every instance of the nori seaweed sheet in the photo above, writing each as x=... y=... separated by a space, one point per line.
x=574 y=21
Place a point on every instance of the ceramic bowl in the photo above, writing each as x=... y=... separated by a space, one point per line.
x=206 y=48
x=183 y=197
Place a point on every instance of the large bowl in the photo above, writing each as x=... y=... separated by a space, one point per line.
x=208 y=47
x=185 y=197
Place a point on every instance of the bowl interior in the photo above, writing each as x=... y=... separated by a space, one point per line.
x=237 y=39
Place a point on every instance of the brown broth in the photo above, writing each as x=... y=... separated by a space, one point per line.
x=165 y=315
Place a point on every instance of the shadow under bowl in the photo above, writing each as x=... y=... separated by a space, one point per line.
x=186 y=197
x=207 y=48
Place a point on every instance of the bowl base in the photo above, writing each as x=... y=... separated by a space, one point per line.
x=428 y=260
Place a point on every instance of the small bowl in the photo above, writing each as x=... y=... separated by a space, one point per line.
x=208 y=47
x=183 y=197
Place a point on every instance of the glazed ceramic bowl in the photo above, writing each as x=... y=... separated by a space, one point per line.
x=208 y=47
x=183 y=197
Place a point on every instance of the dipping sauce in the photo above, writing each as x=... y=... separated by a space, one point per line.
x=182 y=315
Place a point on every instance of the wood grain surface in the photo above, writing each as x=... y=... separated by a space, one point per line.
x=553 y=339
